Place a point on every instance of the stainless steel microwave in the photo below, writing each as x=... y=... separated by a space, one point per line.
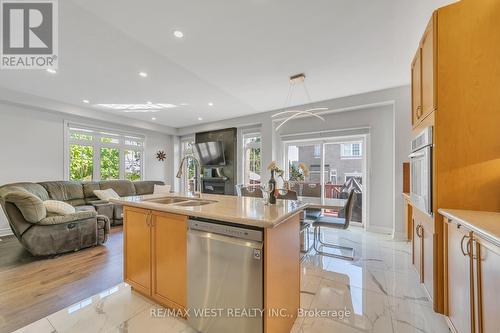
x=421 y=171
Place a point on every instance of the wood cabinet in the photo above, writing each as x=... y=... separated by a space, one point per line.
x=429 y=96
x=423 y=72
x=417 y=246
x=155 y=255
x=137 y=249
x=423 y=248
x=416 y=87
x=459 y=278
x=408 y=218
x=472 y=272
x=427 y=232
x=487 y=286
x=169 y=259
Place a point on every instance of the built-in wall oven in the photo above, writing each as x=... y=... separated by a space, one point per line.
x=421 y=171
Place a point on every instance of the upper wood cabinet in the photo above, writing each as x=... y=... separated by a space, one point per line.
x=416 y=87
x=423 y=71
x=137 y=249
x=428 y=48
x=155 y=255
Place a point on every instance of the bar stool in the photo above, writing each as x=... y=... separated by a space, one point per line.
x=335 y=223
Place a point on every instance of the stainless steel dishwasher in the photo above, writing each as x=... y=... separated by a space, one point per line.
x=225 y=278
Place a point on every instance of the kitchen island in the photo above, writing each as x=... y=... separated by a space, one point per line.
x=175 y=255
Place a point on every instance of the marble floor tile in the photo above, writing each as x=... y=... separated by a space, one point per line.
x=40 y=326
x=100 y=312
x=378 y=292
x=364 y=310
x=144 y=321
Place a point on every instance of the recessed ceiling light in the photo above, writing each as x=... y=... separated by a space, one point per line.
x=154 y=118
x=210 y=104
x=183 y=104
x=51 y=71
x=86 y=101
x=143 y=74
x=178 y=34
x=200 y=118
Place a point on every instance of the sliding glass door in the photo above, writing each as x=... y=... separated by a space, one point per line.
x=336 y=167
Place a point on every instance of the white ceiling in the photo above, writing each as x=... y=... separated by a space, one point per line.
x=237 y=54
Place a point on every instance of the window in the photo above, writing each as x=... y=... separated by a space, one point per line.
x=317 y=151
x=101 y=155
x=252 y=159
x=133 y=164
x=189 y=169
x=339 y=162
x=351 y=150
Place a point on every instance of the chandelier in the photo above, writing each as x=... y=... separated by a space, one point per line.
x=298 y=79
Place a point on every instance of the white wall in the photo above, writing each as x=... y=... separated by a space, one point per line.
x=32 y=144
x=387 y=112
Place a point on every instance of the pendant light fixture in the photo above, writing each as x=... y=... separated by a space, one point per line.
x=298 y=79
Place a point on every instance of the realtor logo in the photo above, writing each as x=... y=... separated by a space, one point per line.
x=29 y=34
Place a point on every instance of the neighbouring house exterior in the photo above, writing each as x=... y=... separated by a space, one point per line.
x=342 y=161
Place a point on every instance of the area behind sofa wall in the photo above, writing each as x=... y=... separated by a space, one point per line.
x=33 y=148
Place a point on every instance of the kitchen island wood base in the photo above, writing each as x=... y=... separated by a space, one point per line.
x=155 y=263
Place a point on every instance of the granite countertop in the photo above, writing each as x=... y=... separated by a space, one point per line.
x=240 y=210
x=485 y=224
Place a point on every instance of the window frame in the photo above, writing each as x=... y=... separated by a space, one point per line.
x=182 y=151
x=350 y=154
x=252 y=145
x=96 y=142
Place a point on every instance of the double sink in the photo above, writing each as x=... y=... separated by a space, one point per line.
x=181 y=202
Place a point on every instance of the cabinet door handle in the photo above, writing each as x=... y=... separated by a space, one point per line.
x=419 y=111
x=462 y=245
x=420 y=231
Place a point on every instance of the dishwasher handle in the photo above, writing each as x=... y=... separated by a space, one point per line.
x=226 y=239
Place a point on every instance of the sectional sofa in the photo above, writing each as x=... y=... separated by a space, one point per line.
x=44 y=234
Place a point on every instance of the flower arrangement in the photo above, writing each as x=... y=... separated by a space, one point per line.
x=273 y=166
x=298 y=173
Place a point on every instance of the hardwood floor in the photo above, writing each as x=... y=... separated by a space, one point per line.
x=32 y=288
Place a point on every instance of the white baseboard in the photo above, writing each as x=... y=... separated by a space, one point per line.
x=5 y=231
x=380 y=230
x=399 y=236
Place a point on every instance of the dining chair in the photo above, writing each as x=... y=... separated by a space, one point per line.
x=334 y=223
x=249 y=191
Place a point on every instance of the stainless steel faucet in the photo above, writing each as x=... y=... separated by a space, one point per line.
x=197 y=173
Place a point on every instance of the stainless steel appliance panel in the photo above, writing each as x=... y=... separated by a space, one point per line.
x=421 y=171
x=225 y=273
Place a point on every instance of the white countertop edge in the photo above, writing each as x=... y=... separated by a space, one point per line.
x=452 y=215
x=224 y=218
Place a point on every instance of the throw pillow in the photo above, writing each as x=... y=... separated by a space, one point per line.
x=161 y=189
x=58 y=207
x=30 y=205
x=106 y=194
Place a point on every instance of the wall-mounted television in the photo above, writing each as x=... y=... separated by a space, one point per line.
x=211 y=153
